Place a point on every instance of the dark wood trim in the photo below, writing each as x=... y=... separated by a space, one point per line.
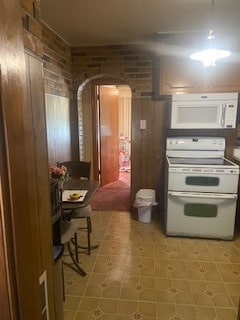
x=8 y=287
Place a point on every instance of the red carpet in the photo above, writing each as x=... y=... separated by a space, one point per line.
x=113 y=196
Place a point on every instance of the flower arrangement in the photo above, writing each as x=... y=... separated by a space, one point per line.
x=60 y=173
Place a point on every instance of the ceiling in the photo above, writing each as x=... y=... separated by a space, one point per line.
x=94 y=22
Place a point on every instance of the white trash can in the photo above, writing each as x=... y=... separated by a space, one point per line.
x=145 y=199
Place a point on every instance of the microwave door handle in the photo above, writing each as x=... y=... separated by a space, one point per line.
x=202 y=195
x=223 y=115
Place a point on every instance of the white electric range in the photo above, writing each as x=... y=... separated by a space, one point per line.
x=201 y=189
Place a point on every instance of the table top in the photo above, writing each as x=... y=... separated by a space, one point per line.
x=77 y=184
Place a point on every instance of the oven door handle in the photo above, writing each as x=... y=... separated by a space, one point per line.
x=202 y=195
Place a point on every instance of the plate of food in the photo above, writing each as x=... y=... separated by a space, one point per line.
x=73 y=195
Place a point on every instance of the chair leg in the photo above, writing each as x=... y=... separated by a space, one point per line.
x=76 y=247
x=90 y=224
x=75 y=260
x=89 y=230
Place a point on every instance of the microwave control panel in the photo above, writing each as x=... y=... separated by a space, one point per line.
x=230 y=115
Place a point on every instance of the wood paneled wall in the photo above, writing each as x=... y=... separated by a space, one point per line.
x=24 y=183
x=37 y=164
x=148 y=147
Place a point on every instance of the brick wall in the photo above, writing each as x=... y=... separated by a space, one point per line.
x=130 y=63
x=57 y=64
x=32 y=28
x=54 y=52
x=62 y=64
x=28 y=5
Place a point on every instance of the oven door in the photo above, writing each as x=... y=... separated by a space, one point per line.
x=201 y=215
x=222 y=182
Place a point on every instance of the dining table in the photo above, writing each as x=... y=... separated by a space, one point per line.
x=86 y=187
x=91 y=186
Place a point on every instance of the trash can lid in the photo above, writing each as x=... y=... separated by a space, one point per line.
x=146 y=193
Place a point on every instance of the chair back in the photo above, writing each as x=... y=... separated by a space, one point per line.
x=77 y=169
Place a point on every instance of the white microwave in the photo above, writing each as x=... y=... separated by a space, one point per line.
x=204 y=111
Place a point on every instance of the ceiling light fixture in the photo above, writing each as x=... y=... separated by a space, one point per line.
x=211 y=53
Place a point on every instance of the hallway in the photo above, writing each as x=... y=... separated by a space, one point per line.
x=114 y=196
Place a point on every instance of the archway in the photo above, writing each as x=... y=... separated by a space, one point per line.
x=97 y=122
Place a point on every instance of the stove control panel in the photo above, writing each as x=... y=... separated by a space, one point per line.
x=202 y=170
x=196 y=143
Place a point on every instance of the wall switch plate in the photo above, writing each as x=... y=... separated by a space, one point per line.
x=143 y=124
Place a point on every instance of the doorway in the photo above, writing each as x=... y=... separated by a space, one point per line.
x=114 y=109
x=108 y=106
x=111 y=148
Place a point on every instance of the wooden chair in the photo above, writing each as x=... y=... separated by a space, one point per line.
x=80 y=170
x=77 y=169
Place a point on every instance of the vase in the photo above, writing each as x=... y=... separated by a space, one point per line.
x=60 y=184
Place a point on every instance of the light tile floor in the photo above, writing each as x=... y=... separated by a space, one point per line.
x=138 y=273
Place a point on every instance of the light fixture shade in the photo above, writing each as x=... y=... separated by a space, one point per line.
x=209 y=56
x=211 y=53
